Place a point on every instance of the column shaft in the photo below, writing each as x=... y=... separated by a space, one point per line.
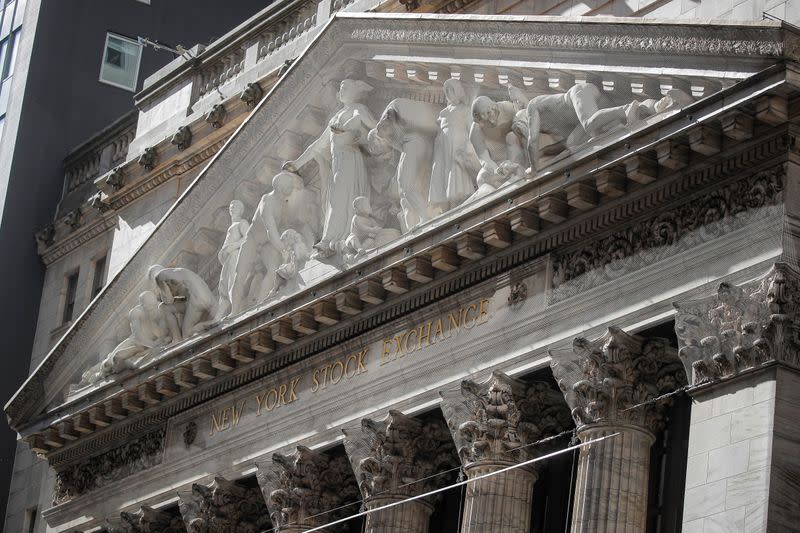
x=498 y=503
x=410 y=517
x=612 y=481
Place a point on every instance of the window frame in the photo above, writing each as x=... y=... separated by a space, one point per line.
x=98 y=275
x=103 y=62
x=74 y=274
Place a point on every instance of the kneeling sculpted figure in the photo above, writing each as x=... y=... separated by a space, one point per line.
x=199 y=305
x=494 y=140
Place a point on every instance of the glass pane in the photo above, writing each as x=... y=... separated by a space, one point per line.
x=5 y=92
x=2 y=127
x=8 y=17
x=11 y=56
x=18 y=14
x=120 y=62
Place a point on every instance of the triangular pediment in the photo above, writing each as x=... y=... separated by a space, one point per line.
x=406 y=57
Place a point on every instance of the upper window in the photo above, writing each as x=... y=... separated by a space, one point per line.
x=69 y=300
x=99 y=276
x=121 y=58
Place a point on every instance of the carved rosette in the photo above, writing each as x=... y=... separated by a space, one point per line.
x=390 y=456
x=223 y=507
x=612 y=380
x=301 y=489
x=741 y=327
x=149 y=520
x=495 y=421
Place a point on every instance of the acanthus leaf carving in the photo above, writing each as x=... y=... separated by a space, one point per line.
x=224 y=506
x=400 y=455
x=119 y=463
x=616 y=378
x=149 y=520
x=497 y=420
x=741 y=327
x=307 y=489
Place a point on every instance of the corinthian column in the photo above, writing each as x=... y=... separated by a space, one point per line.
x=307 y=489
x=397 y=458
x=493 y=425
x=609 y=385
x=223 y=506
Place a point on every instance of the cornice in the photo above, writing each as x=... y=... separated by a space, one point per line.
x=483 y=225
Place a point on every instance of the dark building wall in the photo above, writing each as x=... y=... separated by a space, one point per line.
x=63 y=105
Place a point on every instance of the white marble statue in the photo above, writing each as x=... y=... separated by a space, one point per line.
x=382 y=168
x=260 y=253
x=366 y=232
x=228 y=255
x=410 y=127
x=294 y=255
x=495 y=142
x=455 y=163
x=153 y=325
x=637 y=111
x=338 y=152
x=187 y=294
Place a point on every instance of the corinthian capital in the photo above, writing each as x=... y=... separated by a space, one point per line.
x=390 y=456
x=149 y=520
x=741 y=327
x=223 y=506
x=615 y=378
x=301 y=489
x=497 y=419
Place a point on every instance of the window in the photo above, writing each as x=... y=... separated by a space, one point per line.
x=99 y=276
x=30 y=519
x=69 y=300
x=121 y=58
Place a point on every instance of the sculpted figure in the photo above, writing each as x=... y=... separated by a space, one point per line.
x=294 y=255
x=636 y=111
x=338 y=152
x=153 y=325
x=410 y=127
x=366 y=232
x=260 y=253
x=494 y=140
x=455 y=163
x=382 y=168
x=198 y=302
x=228 y=255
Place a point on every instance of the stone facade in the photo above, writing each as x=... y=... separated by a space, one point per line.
x=360 y=307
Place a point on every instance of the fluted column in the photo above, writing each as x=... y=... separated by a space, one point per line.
x=609 y=384
x=307 y=489
x=223 y=506
x=395 y=459
x=493 y=424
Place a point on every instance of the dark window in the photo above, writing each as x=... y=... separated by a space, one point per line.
x=99 y=276
x=69 y=301
x=31 y=519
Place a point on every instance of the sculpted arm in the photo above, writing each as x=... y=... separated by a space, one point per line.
x=316 y=150
x=478 y=142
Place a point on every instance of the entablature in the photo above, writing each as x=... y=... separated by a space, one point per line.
x=739 y=123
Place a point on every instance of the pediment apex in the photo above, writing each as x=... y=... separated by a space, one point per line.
x=273 y=133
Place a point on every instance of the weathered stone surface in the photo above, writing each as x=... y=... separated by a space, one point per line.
x=222 y=507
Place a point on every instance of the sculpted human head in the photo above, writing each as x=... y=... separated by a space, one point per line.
x=675 y=98
x=485 y=111
x=454 y=92
x=283 y=183
x=153 y=272
x=351 y=91
x=148 y=301
x=236 y=209
x=361 y=206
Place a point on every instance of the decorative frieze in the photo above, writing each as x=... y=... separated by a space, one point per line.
x=741 y=327
x=90 y=474
x=661 y=236
x=308 y=489
x=222 y=507
x=615 y=378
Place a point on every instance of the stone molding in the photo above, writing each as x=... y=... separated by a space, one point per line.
x=114 y=465
x=391 y=455
x=613 y=380
x=222 y=507
x=494 y=421
x=301 y=489
x=741 y=327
